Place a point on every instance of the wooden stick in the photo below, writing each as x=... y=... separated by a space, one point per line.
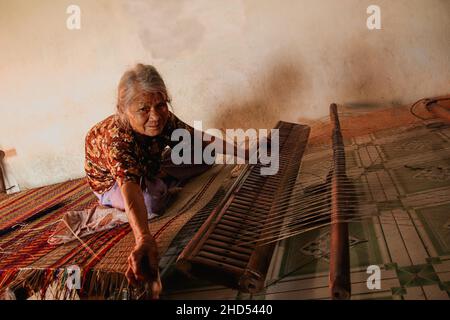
x=339 y=278
x=2 y=178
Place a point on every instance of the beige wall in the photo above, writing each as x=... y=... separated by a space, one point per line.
x=228 y=63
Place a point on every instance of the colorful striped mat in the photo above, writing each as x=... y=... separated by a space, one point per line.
x=28 y=218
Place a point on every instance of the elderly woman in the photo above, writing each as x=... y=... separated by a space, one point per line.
x=125 y=166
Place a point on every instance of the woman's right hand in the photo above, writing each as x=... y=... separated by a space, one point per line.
x=143 y=265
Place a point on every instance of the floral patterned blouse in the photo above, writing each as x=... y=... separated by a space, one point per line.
x=114 y=153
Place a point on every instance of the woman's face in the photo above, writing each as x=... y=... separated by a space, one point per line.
x=148 y=114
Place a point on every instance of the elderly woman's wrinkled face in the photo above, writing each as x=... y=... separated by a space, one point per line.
x=148 y=114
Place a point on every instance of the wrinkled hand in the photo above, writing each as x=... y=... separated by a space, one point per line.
x=143 y=265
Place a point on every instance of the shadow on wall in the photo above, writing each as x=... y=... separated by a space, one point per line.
x=374 y=76
x=446 y=6
x=365 y=80
x=272 y=93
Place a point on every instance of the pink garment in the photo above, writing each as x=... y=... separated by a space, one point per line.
x=111 y=212
x=155 y=197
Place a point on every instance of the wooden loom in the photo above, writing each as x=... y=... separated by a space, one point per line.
x=234 y=245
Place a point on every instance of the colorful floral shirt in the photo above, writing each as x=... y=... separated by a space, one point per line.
x=114 y=153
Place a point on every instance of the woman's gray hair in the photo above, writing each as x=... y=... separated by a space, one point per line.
x=140 y=79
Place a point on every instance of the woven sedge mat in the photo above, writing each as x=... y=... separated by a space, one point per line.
x=23 y=206
x=26 y=256
x=24 y=238
x=33 y=215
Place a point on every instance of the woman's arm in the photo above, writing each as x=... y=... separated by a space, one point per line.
x=143 y=260
x=231 y=148
x=136 y=210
